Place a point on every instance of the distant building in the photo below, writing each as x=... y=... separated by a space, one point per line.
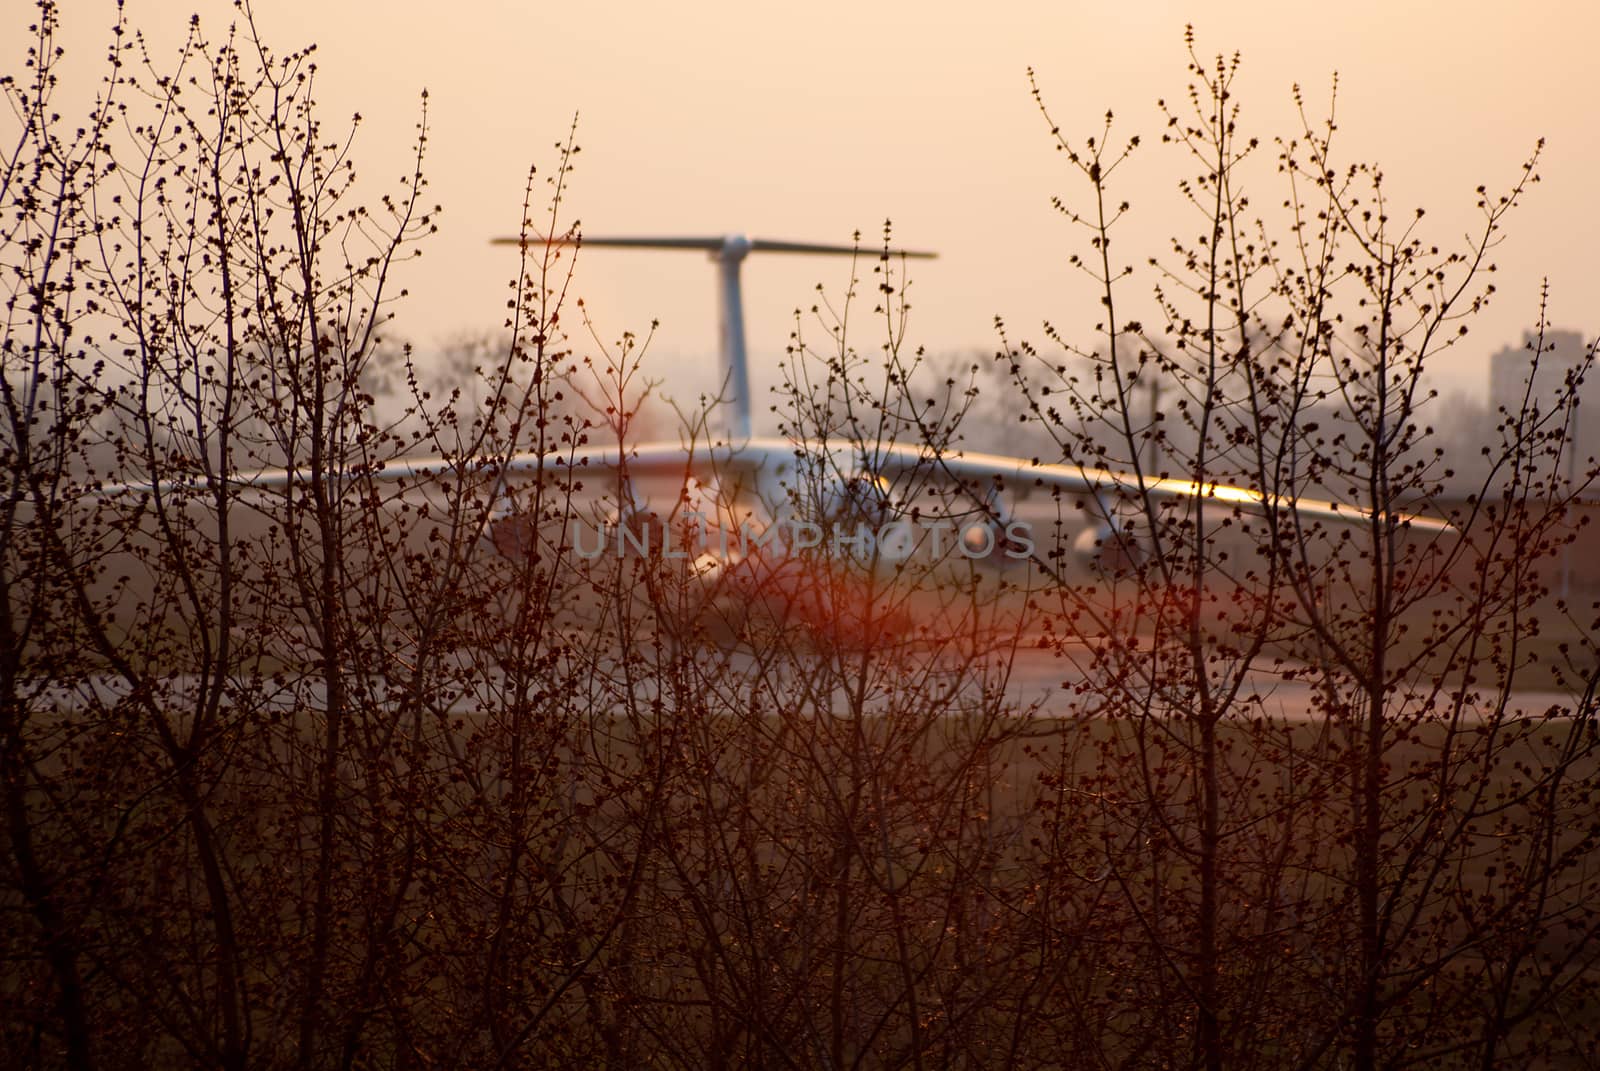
x=1563 y=355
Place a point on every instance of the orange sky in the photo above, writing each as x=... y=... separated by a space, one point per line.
x=811 y=121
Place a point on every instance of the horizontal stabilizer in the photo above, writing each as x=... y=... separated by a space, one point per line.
x=713 y=244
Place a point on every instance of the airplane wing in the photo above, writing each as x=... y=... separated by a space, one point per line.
x=775 y=466
x=978 y=471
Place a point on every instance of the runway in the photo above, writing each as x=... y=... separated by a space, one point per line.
x=1024 y=681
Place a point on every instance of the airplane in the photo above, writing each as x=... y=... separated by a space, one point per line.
x=793 y=485
x=865 y=475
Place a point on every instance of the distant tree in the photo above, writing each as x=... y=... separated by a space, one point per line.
x=1408 y=878
x=226 y=701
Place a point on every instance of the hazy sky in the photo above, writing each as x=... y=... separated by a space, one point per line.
x=812 y=121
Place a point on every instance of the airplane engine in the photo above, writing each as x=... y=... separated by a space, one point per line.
x=1000 y=542
x=510 y=534
x=1110 y=546
x=859 y=497
x=996 y=539
x=637 y=528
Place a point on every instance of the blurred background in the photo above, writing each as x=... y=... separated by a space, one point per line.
x=814 y=122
